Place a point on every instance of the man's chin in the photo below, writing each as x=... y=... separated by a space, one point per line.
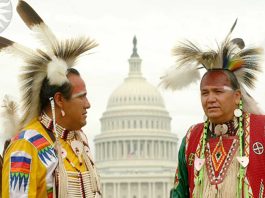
x=83 y=123
x=213 y=116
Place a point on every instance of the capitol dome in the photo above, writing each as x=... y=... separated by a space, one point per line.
x=135 y=91
x=136 y=152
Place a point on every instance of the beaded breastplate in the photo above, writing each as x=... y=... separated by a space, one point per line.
x=219 y=154
x=220 y=149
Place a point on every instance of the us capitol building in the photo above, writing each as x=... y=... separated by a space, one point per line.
x=136 y=153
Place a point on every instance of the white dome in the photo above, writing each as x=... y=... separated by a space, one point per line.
x=135 y=91
x=135 y=105
x=136 y=151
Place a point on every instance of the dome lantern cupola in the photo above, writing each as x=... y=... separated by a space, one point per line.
x=135 y=62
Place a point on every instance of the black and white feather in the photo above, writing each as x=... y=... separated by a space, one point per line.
x=51 y=62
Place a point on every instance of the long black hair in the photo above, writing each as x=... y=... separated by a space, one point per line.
x=48 y=90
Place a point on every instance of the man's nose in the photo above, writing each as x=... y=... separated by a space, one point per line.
x=87 y=103
x=211 y=97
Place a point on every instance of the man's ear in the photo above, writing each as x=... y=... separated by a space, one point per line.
x=58 y=99
x=238 y=96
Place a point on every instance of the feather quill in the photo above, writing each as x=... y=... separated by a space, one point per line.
x=12 y=47
x=38 y=26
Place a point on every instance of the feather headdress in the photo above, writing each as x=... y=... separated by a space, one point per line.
x=230 y=55
x=51 y=63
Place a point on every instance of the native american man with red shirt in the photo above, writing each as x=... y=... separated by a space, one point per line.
x=224 y=156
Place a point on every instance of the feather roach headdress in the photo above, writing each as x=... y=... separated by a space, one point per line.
x=230 y=55
x=51 y=63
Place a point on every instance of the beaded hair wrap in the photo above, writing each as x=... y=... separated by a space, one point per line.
x=241 y=154
x=230 y=55
x=199 y=176
x=62 y=176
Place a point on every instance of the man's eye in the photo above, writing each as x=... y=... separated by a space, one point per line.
x=83 y=96
x=220 y=91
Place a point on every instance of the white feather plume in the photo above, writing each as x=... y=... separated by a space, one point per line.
x=249 y=104
x=14 y=48
x=43 y=33
x=179 y=77
x=9 y=117
x=38 y=26
x=56 y=71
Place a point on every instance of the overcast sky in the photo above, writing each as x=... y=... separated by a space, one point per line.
x=158 y=25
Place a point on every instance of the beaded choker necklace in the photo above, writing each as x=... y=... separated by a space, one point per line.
x=62 y=132
x=229 y=128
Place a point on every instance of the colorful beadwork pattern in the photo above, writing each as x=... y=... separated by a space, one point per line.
x=45 y=149
x=199 y=147
x=20 y=163
x=19 y=136
x=261 y=190
x=246 y=134
x=176 y=182
x=187 y=141
x=50 y=192
x=219 y=157
x=46 y=154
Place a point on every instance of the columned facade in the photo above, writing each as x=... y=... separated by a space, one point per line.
x=136 y=152
x=135 y=189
